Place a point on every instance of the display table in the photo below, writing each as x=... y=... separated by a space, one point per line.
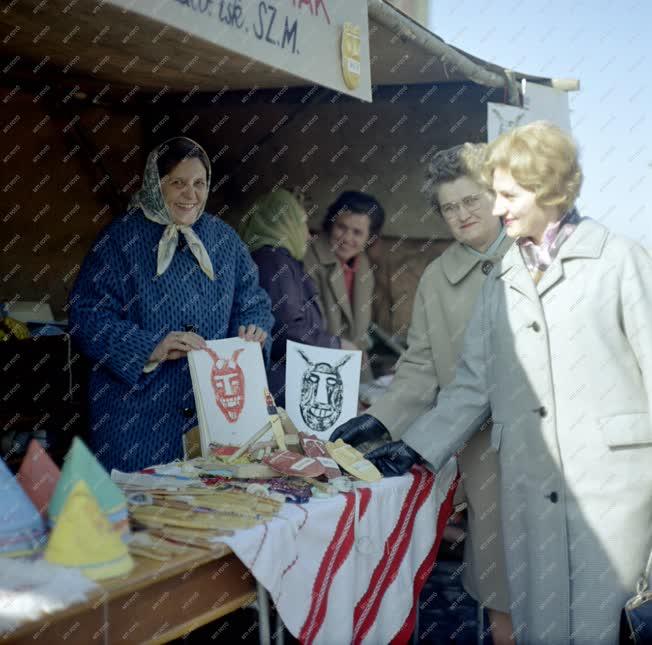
x=155 y=603
x=349 y=569
x=342 y=569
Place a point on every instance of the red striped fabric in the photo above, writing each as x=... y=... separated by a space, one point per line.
x=445 y=511
x=334 y=556
x=396 y=546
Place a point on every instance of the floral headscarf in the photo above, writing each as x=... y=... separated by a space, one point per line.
x=150 y=199
x=276 y=219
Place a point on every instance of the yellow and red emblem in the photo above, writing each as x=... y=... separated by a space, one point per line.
x=351 y=55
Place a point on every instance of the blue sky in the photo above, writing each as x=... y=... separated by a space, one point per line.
x=608 y=46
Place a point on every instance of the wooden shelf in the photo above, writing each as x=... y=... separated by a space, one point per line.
x=155 y=603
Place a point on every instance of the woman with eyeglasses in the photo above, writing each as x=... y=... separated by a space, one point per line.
x=559 y=352
x=442 y=306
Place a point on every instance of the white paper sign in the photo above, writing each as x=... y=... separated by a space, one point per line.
x=539 y=103
x=229 y=383
x=321 y=387
x=300 y=37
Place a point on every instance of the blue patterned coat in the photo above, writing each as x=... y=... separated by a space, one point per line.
x=120 y=310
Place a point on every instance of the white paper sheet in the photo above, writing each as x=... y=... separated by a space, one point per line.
x=321 y=387
x=230 y=384
x=539 y=102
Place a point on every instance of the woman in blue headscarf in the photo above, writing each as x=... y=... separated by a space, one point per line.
x=158 y=281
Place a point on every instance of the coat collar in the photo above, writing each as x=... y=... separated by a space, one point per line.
x=457 y=262
x=361 y=290
x=587 y=241
x=322 y=248
x=334 y=273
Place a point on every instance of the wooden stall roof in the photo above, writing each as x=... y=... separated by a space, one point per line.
x=93 y=43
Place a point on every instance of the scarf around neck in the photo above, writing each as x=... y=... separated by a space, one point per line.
x=538 y=257
x=150 y=199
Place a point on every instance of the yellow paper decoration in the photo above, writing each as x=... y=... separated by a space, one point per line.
x=353 y=461
x=83 y=537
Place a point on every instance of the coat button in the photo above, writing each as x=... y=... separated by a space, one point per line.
x=535 y=326
x=542 y=412
x=553 y=497
x=486 y=267
x=188 y=412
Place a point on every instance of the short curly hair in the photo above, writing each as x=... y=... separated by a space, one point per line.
x=360 y=204
x=542 y=158
x=463 y=160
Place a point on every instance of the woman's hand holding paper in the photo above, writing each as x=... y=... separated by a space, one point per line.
x=176 y=345
x=253 y=333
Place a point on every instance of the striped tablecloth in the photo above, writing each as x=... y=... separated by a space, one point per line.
x=350 y=568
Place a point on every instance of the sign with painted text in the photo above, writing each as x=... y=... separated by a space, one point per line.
x=325 y=42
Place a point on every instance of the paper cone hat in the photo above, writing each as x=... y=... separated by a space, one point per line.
x=81 y=465
x=83 y=537
x=38 y=475
x=21 y=527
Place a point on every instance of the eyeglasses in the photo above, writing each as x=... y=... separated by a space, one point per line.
x=471 y=203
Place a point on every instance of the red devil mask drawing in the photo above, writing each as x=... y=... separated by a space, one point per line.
x=227 y=379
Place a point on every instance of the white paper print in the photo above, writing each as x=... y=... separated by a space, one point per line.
x=321 y=387
x=539 y=103
x=229 y=382
x=501 y=118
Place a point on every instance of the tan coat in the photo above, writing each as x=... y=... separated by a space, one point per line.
x=565 y=368
x=350 y=322
x=442 y=306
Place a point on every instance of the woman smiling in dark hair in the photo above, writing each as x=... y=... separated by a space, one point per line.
x=337 y=261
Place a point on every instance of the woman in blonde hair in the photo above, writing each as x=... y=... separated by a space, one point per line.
x=559 y=352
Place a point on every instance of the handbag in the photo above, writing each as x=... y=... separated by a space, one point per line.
x=636 y=618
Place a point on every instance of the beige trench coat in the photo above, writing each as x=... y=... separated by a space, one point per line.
x=565 y=368
x=444 y=300
x=343 y=319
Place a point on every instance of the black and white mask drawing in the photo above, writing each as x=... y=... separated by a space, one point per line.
x=322 y=393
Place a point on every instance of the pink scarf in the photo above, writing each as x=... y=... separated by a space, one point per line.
x=538 y=257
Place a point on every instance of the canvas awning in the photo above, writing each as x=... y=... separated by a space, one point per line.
x=190 y=45
x=177 y=46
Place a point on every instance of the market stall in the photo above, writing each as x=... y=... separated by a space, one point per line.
x=88 y=88
x=316 y=97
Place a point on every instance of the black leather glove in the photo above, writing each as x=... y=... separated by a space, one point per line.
x=393 y=459
x=360 y=429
